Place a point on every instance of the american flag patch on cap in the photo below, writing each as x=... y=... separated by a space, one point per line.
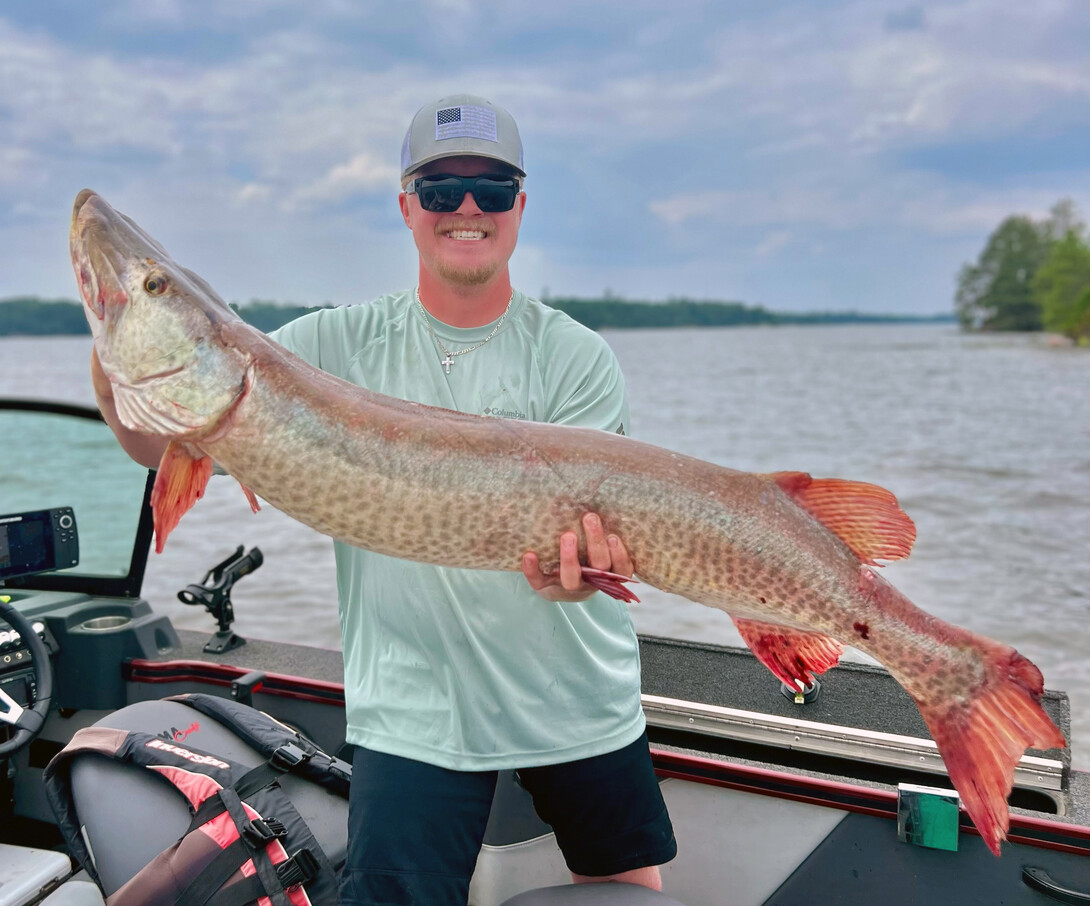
x=466 y=121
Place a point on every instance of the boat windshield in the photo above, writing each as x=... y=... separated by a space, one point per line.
x=57 y=455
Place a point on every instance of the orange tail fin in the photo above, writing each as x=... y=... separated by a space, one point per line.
x=982 y=739
x=179 y=483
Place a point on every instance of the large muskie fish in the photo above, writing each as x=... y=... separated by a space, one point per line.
x=788 y=557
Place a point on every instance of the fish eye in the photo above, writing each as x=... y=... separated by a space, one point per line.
x=156 y=284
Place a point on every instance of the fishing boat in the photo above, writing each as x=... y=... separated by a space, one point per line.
x=825 y=795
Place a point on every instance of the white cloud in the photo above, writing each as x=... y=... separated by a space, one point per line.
x=155 y=12
x=765 y=206
x=772 y=243
x=16 y=165
x=254 y=192
x=803 y=121
x=364 y=173
x=919 y=203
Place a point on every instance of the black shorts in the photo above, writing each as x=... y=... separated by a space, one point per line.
x=607 y=812
x=414 y=829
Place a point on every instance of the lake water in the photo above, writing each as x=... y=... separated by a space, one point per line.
x=984 y=439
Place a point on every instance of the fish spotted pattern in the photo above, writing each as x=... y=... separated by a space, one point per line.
x=789 y=557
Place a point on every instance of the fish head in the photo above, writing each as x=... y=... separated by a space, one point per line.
x=157 y=326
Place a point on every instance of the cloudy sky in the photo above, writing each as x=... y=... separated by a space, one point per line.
x=818 y=154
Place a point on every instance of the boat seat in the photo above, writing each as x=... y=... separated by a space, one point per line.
x=129 y=816
x=592 y=895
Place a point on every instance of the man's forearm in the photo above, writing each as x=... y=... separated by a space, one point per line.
x=145 y=449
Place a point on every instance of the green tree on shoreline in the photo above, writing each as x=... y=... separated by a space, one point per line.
x=30 y=316
x=1062 y=285
x=1031 y=275
x=995 y=293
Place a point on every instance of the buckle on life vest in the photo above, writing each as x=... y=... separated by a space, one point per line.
x=340 y=769
x=262 y=831
x=301 y=868
x=288 y=756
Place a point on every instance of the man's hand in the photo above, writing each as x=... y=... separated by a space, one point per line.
x=606 y=553
x=104 y=393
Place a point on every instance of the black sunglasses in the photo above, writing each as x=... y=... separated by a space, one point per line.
x=442 y=194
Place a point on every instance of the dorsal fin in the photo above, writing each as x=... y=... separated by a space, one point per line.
x=864 y=516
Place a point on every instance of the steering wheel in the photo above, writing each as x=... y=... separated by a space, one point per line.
x=28 y=722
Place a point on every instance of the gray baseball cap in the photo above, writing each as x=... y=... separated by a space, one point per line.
x=461 y=124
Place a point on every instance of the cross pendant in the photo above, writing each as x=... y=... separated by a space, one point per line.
x=447 y=362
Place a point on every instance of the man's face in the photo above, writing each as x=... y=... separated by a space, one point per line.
x=466 y=247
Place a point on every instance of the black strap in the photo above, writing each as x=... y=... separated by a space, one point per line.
x=248 y=784
x=215 y=874
x=301 y=868
x=256 y=835
x=285 y=759
x=265 y=871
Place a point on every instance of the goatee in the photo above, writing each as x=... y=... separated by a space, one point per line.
x=467 y=276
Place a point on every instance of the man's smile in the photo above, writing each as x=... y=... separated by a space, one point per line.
x=463 y=230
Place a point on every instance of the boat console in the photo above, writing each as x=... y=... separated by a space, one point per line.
x=30 y=543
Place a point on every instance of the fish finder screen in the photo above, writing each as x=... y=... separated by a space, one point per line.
x=38 y=542
x=24 y=547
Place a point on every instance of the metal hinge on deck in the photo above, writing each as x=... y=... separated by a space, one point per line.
x=1031 y=772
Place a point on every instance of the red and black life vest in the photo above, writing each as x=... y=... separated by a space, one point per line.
x=246 y=842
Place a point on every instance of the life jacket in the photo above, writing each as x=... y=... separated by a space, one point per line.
x=246 y=842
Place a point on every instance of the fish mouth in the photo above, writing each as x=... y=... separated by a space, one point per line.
x=103 y=244
x=95 y=259
x=100 y=286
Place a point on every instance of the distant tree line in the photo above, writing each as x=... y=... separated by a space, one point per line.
x=31 y=316
x=1031 y=275
x=267 y=316
x=614 y=312
x=34 y=317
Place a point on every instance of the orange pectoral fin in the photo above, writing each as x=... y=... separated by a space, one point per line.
x=179 y=483
x=794 y=655
x=864 y=516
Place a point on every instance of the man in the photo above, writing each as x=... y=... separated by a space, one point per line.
x=452 y=675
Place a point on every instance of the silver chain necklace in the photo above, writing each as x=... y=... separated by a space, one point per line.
x=448 y=359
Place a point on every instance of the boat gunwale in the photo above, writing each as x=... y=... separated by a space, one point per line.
x=852 y=797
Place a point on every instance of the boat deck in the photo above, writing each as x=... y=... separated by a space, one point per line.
x=853 y=695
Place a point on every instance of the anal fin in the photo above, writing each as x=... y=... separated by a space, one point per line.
x=179 y=483
x=793 y=655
